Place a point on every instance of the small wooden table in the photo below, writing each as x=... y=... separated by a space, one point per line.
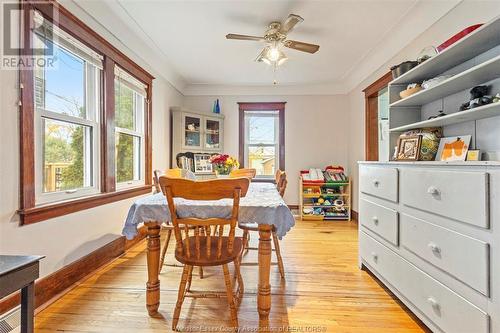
x=20 y=272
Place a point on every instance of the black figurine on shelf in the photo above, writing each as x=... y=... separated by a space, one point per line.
x=440 y=114
x=478 y=97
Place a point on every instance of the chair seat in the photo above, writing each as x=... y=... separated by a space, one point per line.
x=250 y=226
x=204 y=260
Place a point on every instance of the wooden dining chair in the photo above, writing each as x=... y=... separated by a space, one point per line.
x=171 y=173
x=247 y=227
x=204 y=248
x=248 y=173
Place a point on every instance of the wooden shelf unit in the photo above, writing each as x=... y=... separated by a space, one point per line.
x=309 y=200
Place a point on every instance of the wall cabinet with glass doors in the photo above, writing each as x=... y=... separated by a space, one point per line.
x=196 y=132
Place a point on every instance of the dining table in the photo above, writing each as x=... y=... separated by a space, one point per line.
x=262 y=205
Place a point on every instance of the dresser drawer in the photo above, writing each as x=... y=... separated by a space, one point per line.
x=379 y=219
x=464 y=257
x=446 y=309
x=379 y=182
x=459 y=195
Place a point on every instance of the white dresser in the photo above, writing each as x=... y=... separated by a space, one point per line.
x=430 y=231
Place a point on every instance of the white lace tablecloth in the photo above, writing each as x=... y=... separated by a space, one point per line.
x=262 y=205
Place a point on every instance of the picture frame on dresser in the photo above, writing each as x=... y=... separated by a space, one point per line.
x=453 y=148
x=409 y=148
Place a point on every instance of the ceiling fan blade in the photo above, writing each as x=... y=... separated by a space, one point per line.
x=291 y=21
x=244 y=37
x=261 y=55
x=301 y=46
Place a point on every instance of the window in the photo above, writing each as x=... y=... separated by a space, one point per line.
x=67 y=107
x=85 y=120
x=130 y=99
x=262 y=138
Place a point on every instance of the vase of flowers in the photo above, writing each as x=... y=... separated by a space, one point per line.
x=224 y=164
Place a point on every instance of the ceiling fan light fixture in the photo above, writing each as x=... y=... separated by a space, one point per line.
x=274 y=53
x=273 y=56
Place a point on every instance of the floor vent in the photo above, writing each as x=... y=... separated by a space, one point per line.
x=10 y=322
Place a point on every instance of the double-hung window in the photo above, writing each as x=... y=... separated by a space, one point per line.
x=85 y=117
x=67 y=107
x=130 y=102
x=262 y=138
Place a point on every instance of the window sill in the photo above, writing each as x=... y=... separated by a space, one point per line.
x=48 y=211
x=263 y=180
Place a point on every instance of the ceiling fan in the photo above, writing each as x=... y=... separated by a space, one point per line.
x=275 y=37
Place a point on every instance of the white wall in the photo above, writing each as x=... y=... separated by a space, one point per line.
x=67 y=238
x=467 y=13
x=315 y=130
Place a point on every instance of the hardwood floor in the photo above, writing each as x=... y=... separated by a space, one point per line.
x=324 y=291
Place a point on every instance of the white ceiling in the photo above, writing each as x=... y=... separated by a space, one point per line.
x=190 y=36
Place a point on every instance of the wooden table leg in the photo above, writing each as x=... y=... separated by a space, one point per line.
x=27 y=308
x=153 y=258
x=264 y=296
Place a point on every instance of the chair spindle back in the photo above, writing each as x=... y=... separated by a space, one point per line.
x=205 y=242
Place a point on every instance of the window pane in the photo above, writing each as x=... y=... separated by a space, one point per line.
x=127 y=158
x=124 y=106
x=262 y=129
x=192 y=131
x=212 y=139
x=262 y=159
x=61 y=88
x=67 y=156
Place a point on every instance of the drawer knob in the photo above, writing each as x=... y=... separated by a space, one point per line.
x=433 y=190
x=376 y=183
x=374 y=256
x=433 y=302
x=436 y=249
x=375 y=220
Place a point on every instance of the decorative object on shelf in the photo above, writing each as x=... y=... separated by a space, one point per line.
x=474 y=155
x=402 y=68
x=427 y=53
x=185 y=161
x=427 y=84
x=216 y=108
x=430 y=141
x=440 y=114
x=411 y=89
x=455 y=38
x=478 y=97
x=202 y=163
x=409 y=147
x=453 y=148
x=224 y=164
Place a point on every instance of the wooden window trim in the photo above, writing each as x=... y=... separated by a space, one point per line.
x=371 y=116
x=28 y=211
x=257 y=106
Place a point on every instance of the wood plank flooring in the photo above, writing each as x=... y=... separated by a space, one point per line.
x=324 y=291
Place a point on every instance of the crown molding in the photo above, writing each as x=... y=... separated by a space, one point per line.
x=264 y=90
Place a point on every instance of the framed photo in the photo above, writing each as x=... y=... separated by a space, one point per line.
x=453 y=148
x=409 y=148
x=474 y=155
x=202 y=163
